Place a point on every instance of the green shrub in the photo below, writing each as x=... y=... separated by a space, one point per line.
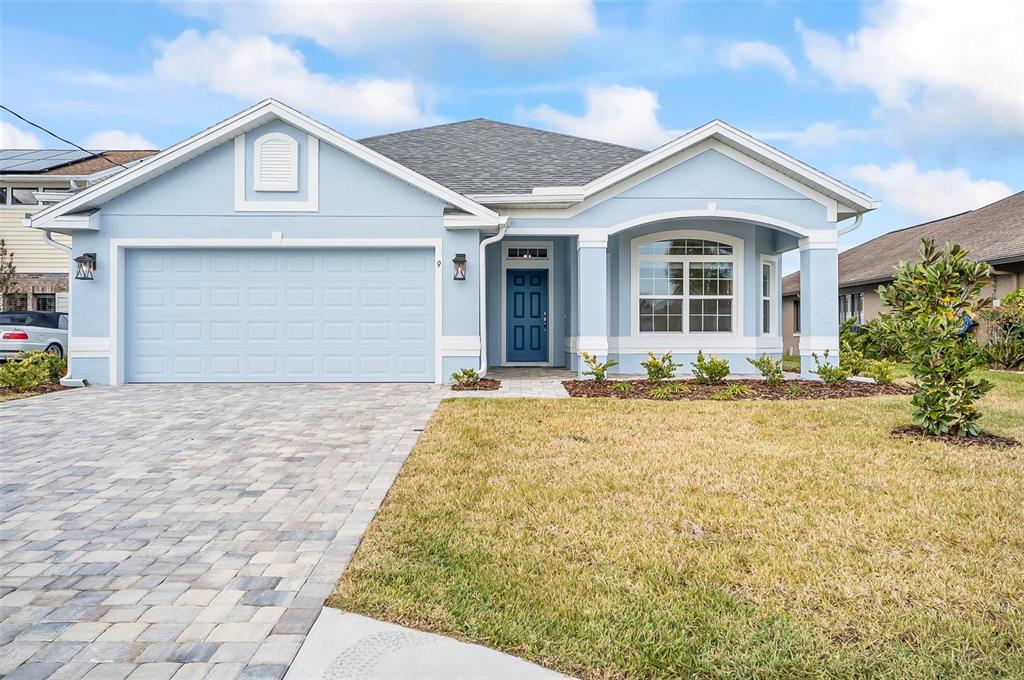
x=598 y=369
x=659 y=369
x=622 y=386
x=852 y=359
x=731 y=392
x=770 y=369
x=26 y=372
x=1005 y=327
x=829 y=374
x=882 y=371
x=56 y=366
x=878 y=339
x=667 y=390
x=466 y=377
x=929 y=301
x=1006 y=353
x=710 y=371
x=795 y=390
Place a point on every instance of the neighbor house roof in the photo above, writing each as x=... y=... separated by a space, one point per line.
x=65 y=162
x=993 y=234
x=483 y=156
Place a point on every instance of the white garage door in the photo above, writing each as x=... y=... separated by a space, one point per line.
x=279 y=315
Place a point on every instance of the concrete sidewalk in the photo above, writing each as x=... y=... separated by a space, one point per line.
x=343 y=646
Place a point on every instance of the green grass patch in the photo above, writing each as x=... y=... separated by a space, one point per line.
x=627 y=539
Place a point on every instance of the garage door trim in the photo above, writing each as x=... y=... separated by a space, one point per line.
x=117 y=294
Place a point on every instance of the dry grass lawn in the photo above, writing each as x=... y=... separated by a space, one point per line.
x=640 y=539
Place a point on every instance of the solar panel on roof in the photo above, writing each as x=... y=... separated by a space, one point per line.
x=38 y=160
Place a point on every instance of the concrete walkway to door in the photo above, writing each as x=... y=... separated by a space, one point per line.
x=186 y=531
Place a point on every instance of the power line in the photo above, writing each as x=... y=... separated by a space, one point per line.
x=54 y=134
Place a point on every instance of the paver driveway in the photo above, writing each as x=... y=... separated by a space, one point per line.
x=186 y=531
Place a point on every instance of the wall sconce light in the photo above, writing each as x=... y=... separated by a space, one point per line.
x=86 y=266
x=460 y=266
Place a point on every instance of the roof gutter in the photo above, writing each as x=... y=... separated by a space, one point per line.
x=856 y=223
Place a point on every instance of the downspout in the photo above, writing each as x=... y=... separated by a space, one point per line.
x=48 y=237
x=856 y=223
x=502 y=225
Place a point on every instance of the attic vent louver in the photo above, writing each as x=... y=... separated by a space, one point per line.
x=275 y=163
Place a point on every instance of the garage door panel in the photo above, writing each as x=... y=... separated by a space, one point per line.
x=279 y=316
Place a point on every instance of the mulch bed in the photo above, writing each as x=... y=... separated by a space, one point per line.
x=483 y=384
x=983 y=438
x=790 y=389
x=45 y=388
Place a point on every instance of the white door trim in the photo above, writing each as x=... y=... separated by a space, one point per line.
x=119 y=246
x=547 y=264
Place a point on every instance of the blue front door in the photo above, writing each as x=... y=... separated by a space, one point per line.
x=526 y=316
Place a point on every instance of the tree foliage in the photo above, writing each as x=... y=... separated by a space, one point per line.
x=931 y=302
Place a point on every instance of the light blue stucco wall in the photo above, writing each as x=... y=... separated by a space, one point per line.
x=196 y=201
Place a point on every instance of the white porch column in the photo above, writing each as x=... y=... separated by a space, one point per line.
x=592 y=295
x=819 y=300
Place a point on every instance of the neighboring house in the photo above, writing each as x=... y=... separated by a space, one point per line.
x=270 y=247
x=29 y=180
x=993 y=234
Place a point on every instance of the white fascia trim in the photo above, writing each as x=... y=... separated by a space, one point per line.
x=594 y=344
x=721 y=130
x=90 y=222
x=586 y=239
x=312 y=202
x=89 y=347
x=810 y=344
x=227 y=129
x=819 y=240
x=276 y=240
x=471 y=222
x=460 y=345
x=710 y=343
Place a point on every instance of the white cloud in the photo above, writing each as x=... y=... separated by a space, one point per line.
x=15 y=138
x=104 y=81
x=623 y=115
x=929 y=194
x=933 y=66
x=501 y=29
x=821 y=135
x=756 y=53
x=117 y=139
x=255 y=67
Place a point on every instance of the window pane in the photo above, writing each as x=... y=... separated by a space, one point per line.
x=661 y=278
x=711 y=278
x=45 y=302
x=766 y=316
x=661 y=315
x=711 y=315
x=23 y=197
x=687 y=246
x=3 y=195
x=766 y=277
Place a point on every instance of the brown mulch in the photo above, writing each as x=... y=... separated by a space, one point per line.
x=480 y=385
x=983 y=438
x=45 y=388
x=790 y=389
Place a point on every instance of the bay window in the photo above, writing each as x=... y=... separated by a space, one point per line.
x=686 y=285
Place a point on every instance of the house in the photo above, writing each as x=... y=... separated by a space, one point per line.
x=270 y=247
x=993 y=234
x=29 y=180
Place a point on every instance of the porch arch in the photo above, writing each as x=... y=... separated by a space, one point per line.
x=754 y=218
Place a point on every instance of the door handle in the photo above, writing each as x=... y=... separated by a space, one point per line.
x=545 y=320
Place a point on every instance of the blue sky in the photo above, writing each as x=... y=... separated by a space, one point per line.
x=920 y=105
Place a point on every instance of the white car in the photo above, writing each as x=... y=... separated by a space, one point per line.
x=33 y=332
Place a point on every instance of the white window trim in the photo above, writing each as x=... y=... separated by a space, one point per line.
x=312 y=202
x=117 y=294
x=773 y=294
x=259 y=184
x=686 y=339
x=548 y=264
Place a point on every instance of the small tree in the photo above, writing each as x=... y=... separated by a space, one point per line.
x=7 y=273
x=931 y=303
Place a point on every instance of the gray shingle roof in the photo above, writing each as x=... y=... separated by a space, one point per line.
x=993 y=233
x=483 y=156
